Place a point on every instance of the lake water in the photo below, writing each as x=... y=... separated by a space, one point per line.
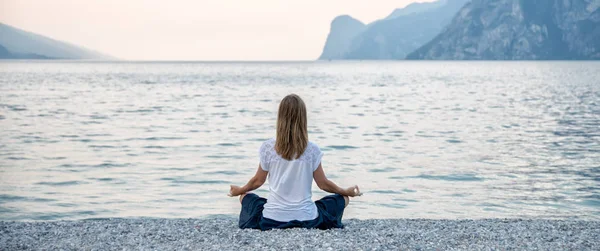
x=422 y=139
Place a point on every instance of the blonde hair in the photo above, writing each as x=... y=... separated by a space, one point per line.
x=292 y=134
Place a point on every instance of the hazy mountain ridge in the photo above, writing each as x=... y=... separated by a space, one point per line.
x=416 y=8
x=402 y=32
x=23 y=44
x=519 y=30
x=395 y=38
x=6 y=54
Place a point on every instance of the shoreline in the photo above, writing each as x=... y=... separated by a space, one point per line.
x=222 y=233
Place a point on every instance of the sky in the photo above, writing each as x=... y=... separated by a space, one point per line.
x=193 y=30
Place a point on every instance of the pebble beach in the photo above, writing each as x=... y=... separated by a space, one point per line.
x=222 y=234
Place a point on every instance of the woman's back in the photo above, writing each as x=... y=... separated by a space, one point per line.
x=290 y=182
x=290 y=162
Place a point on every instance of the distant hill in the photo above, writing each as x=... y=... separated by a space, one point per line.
x=5 y=54
x=402 y=32
x=21 y=44
x=519 y=30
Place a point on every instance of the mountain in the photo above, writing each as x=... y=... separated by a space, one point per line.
x=5 y=54
x=343 y=29
x=416 y=8
x=400 y=33
x=519 y=30
x=23 y=44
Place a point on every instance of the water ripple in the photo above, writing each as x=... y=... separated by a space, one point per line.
x=64 y=183
x=427 y=140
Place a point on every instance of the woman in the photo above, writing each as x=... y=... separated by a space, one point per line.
x=291 y=162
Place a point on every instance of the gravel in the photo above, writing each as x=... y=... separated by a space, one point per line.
x=223 y=234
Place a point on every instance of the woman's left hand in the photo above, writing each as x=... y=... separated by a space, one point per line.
x=235 y=191
x=353 y=191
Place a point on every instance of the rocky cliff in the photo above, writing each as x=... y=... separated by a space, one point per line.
x=519 y=30
x=343 y=30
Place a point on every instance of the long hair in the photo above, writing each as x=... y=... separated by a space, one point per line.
x=292 y=134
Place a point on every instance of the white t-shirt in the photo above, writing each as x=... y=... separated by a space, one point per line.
x=290 y=182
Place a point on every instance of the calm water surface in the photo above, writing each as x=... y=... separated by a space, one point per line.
x=422 y=139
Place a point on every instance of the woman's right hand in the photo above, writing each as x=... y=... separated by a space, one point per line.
x=235 y=191
x=352 y=191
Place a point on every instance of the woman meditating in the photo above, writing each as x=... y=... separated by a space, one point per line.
x=291 y=162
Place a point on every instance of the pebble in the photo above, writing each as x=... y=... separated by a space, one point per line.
x=223 y=234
